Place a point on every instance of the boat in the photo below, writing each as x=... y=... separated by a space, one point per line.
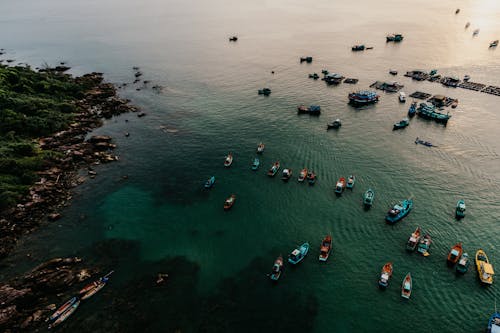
x=62 y=309
x=340 y=186
x=422 y=142
x=277 y=269
x=298 y=254
x=428 y=111
x=333 y=78
x=363 y=97
x=358 y=47
x=466 y=78
x=460 y=209
x=467 y=25
x=433 y=72
x=414 y=239
x=385 y=275
x=494 y=323
x=424 y=245
x=475 y=32
x=401 y=124
x=368 y=198
x=311 y=178
x=210 y=182
x=302 y=175
x=287 y=174
x=91 y=286
x=312 y=110
x=229 y=160
x=463 y=264
x=306 y=59
x=494 y=43
x=394 y=38
x=229 y=202
x=393 y=72
x=255 y=164
x=274 y=169
x=402 y=97
x=457 y=11
x=314 y=76
x=97 y=287
x=484 y=268
x=335 y=124
x=406 y=286
x=264 y=91
x=455 y=254
x=399 y=211
x=350 y=181
x=454 y=104
x=65 y=315
x=233 y=38
x=260 y=148
x=325 y=248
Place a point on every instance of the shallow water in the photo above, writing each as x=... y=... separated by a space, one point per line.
x=210 y=106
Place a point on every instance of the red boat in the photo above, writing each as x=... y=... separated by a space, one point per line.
x=455 y=254
x=385 y=275
x=340 y=187
x=302 y=175
x=326 y=247
x=229 y=160
x=229 y=202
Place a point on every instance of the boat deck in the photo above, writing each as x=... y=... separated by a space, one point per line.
x=351 y=81
x=385 y=86
x=420 y=95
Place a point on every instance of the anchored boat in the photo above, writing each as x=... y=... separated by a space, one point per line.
x=385 y=275
x=274 y=169
x=325 y=248
x=260 y=148
x=428 y=111
x=363 y=97
x=424 y=245
x=455 y=254
x=302 y=175
x=401 y=124
x=65 y=315
x=312 y=110
x=358 y=47
x=484 y=268
x=298 y=255
x=350 y=182
x=368 y=198
x=277 y=269
x=339 y=188
x=399 y=211
x=287 y=174
x=414 y=239
x=264 y=91
x=463 y=264
x=311 y=178
x=402 y=97
x=424 y=143
x=406 y=286
x=394 y=38
x=460 y=209
x=413 y=109
x=255 y=164
x=494 y=43
x=229 y=160
x=62 y=309
x=335 y=124
x=229 y=202
x=210 y=182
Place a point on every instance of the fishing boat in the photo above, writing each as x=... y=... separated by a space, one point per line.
x=287 y=174
x=424 y=245
x=467 y=25
x=413 y=109
x=350 y=181
x=414 y=239
x=255 y=164
x=494 y=43
x=333 y=78
x=312 y=110
x=65 y=315
x=402 y=97
x=62 y=309
x=363 y=97
x=306 y=59
x=406 y=286
x=340 y=187
x=484 y=268
x=325 y=248
x=358 y=47
x=210 y=182
x=385 y=275
x=401 y=124
x=455 y=254
x=260 y=148
x=457 y=11
x=97 y=287
x=394 y=38
x=466 y=78
x=428 y=111
x=460 y=209
x=229 y=202
x=233 y=38
x=424 y=143
x=229 y=160
x=463 y=264
x=93 y=285
x=399 y=211
x=475 y=32
x=302 y=175
x=494 y=323
x=311 y=178
x=277 y=269
x=264 y=91
x=298 y=254
x=335 y=124
x=368 y=197
x=274 y=169
x=393 y=72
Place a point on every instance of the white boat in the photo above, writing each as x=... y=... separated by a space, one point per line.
x=402 y=97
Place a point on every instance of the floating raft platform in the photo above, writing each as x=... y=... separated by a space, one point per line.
x=351 y=81
x=440 y=100
x=493 y=90
x=418 y=75
x=472 y=86
x=420 y=95
x=387 y=86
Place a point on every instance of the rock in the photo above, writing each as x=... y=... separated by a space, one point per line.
x=100 y=138
x=8 y=314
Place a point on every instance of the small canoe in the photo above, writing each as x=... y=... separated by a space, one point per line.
x=210 y=182
x=368 y=197
x=302 y=175
x=325 y=248
x=406 y=286
x=350 y=182
x=229 y=202
x=62 y=309
x=255 y=164
x=455 y=254
x=385 y=275
x=463 y=264
x=424 y=245
x=460 y=209
x=274 y=169
x=311 y=178
x=286 y=175
x=229 y=160
x=260 y=148
x=298 y=254
x=277 y=269
x=422 y=142
x=65 y=315
x=339 y=188
x=484 y=268
x=414 y=239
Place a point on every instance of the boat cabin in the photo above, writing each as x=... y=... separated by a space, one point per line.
x=454 y=254
x=295 y=255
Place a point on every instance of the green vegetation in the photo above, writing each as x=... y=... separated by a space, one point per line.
x=32 y=104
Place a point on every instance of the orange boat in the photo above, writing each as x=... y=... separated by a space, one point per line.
x=385 y=275
x=339 y=188
x=229 y=202
x=455 y=254
x=326 y=247
x=302 y=175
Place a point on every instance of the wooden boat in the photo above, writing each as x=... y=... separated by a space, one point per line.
x=494 y=43
x=368 y=198
x=428 y=111
x=401 y=124
x=455 y=254
x=325 y=248
x=413 y=109
x=406 y=287
x=484 y=268
x=467 y=25
x=229 y=160
x=424 y=245
x=260 y=148
x=287 y=174
x=65 y=315
x=350 y=181
x=358 y=47
x=340 y=186
x=460 y=209
x=333 y=78
x=255 y=164
x=402 y=97
x=385 y=275
x=62 y=309
x=95 y=290
x=210 y=182
x=424 y=143
x=393 y=72
x=274 y=169
x=302 y=175
x=277 y=269
x=312 y=110
x=363 y=97
x=264 y=91
x=311 y=178
x=399 y=211
x=229 y=202
x=463 y=264
x=306 y=59
x=394 y=38
x=298 y=254
x=494 y=323
x=94 y=284
x=335 y=124
x=457 y=11
x=414 y=239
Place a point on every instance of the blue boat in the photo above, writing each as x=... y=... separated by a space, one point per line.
x=298 y=254
x=363 y=97
x=255 y=164
x=494 y=323
x=422 y=142
x=210 y=182
x=399 y=211
x=412 y=111
x=350 y=181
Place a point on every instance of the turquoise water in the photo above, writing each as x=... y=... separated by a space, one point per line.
x=160 y=219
